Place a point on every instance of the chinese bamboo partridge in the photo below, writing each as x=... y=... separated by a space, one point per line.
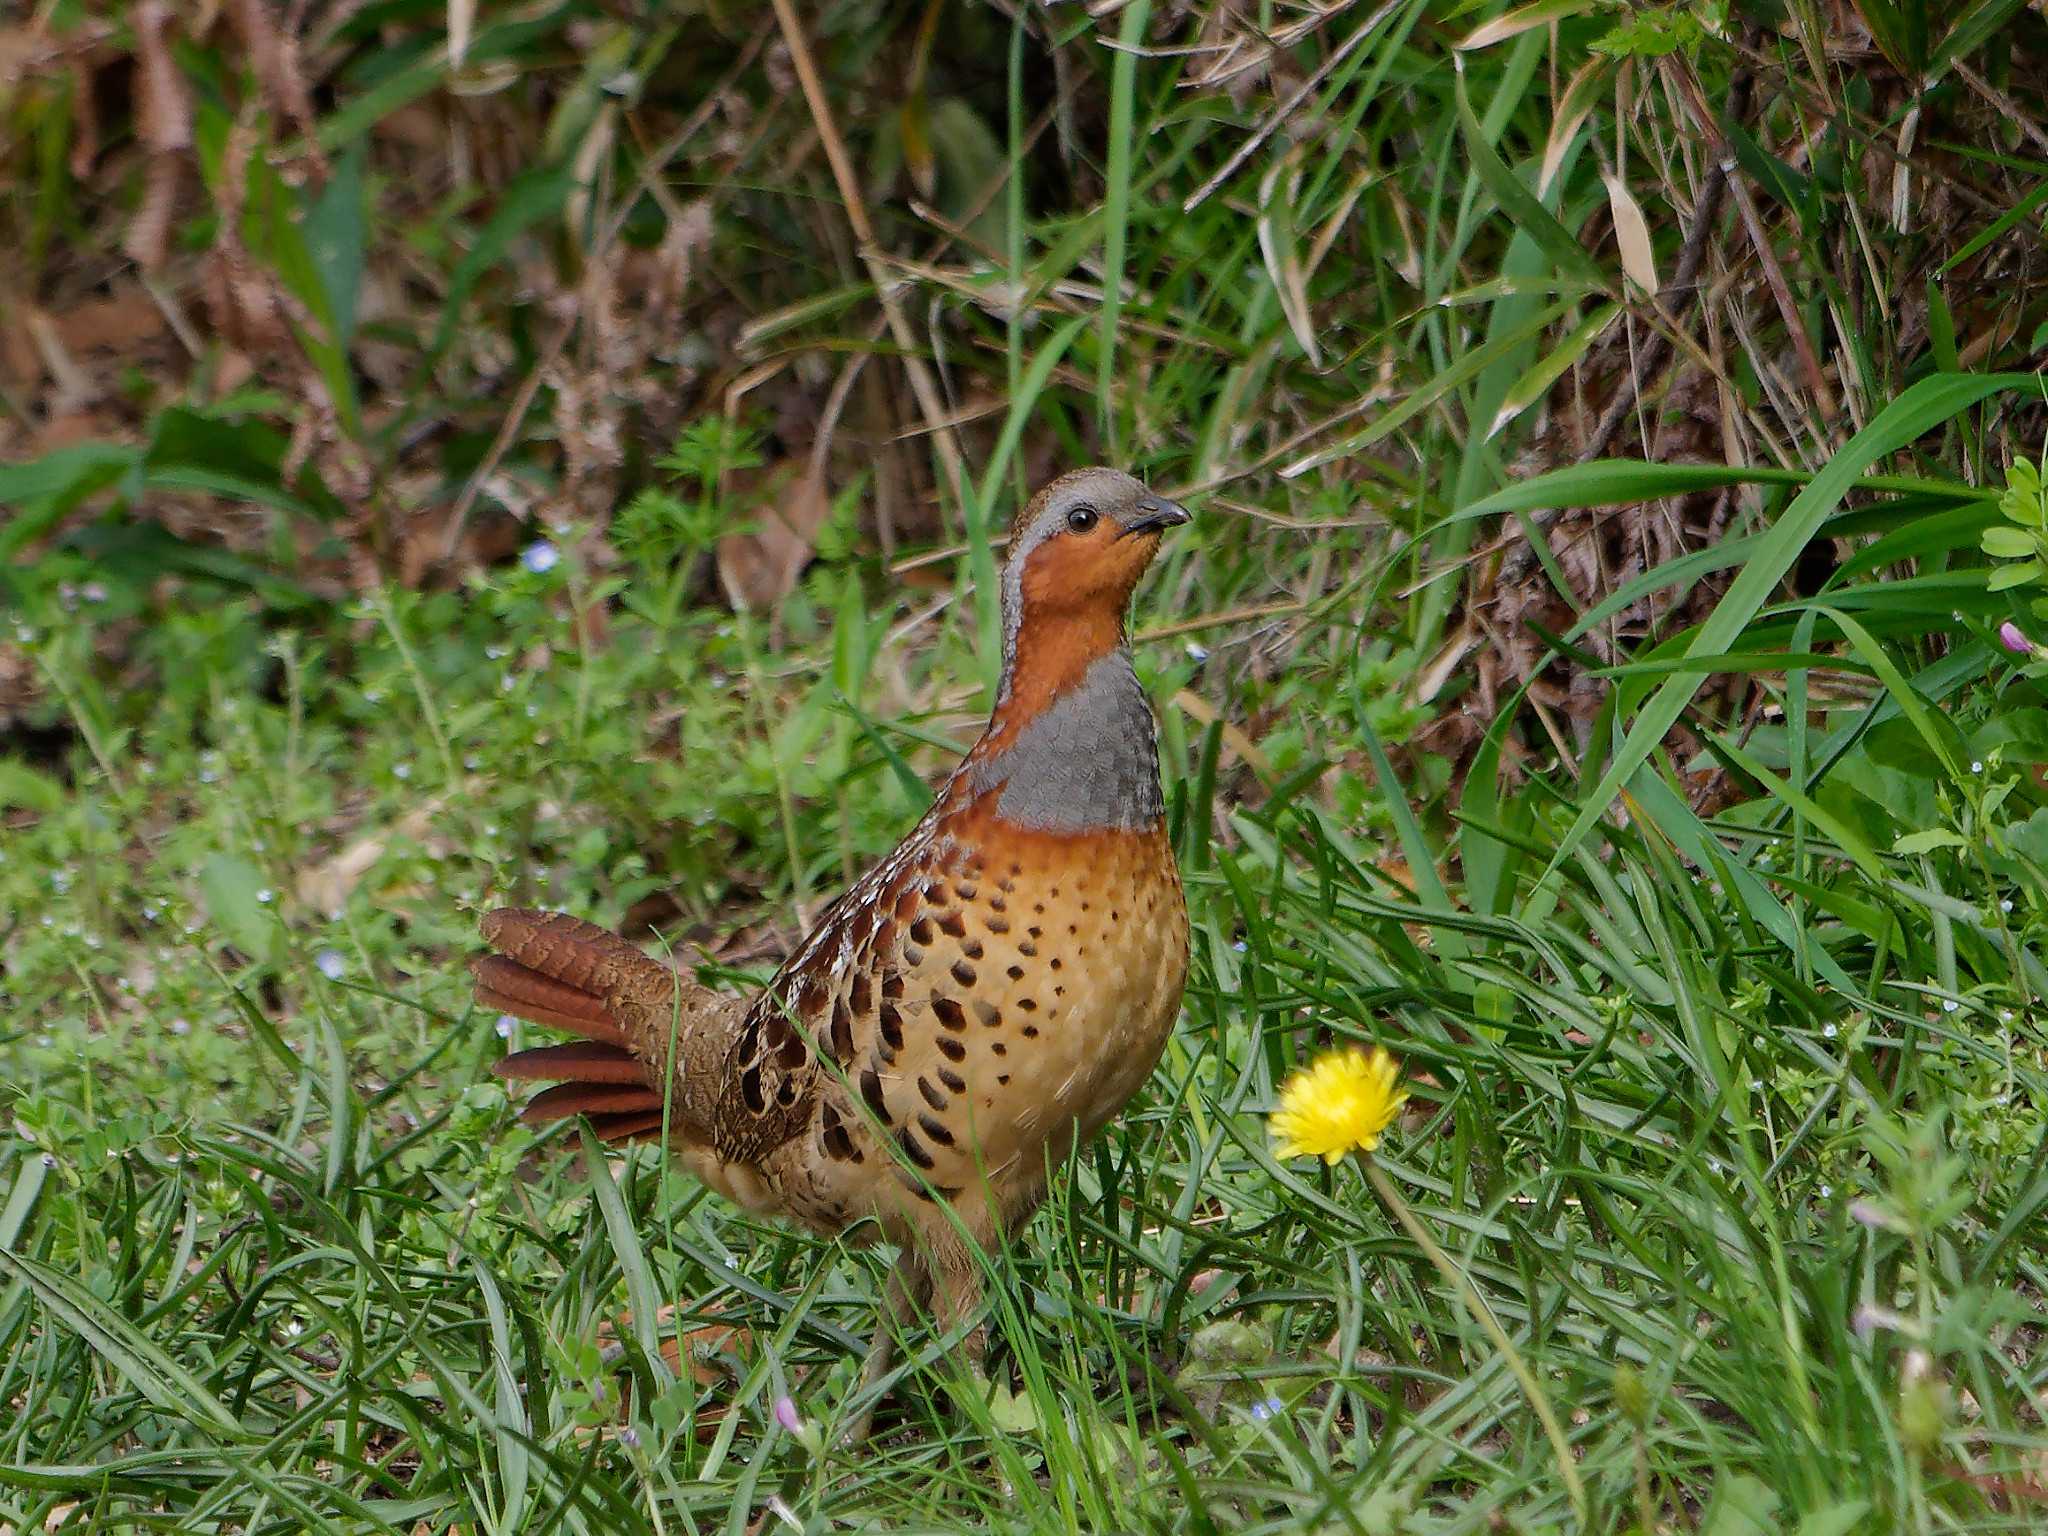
x=982 y=1001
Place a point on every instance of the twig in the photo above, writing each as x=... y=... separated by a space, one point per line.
x=2003 y=102
x=952 y=461
x=648 y=179
x=1285 y=110
x=1679 y=293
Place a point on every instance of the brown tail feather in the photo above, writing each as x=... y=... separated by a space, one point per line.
x=506 y=986
x=588 y=959
x=596 y=1099
x=557 y=970
x=581 y=1061
x=627 y=1127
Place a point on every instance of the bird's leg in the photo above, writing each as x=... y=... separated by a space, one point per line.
x=909 y=1283
x=956 y=1297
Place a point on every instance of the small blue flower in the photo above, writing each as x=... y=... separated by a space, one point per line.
x=330 y=964
x=540 y=557
x=1268 y=1408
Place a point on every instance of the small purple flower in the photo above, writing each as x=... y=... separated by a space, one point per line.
x=1870 y=1318
x=787 y=1416
x=2014 y=639
x=629 y=1437
x=540 y=557
x=1267 y=1408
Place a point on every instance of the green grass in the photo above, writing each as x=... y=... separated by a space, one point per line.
x=277 y=1255
x=1703 y=897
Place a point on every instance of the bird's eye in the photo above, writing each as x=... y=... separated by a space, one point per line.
x=1081 y=519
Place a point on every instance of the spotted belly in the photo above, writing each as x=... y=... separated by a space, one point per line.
x=1018 y=1001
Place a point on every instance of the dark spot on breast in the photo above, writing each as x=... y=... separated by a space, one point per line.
x=966 y=892
x=999 y=1048
x=1038 y=907
x=1072 y=929
x=1114 y=915
x=871 y=1090
x=842 y=1032
x=963 y=973
x=862 y=993
x=932 y=1096
x=1028 y=950
x=750 y=1090
x=948 y=1012
x=921 y=930
x=1059 y=991
x=810 y=996
x=953 y=924
x=971 y=949
x=998 y=925
x=792 y=1053
x=1030 y=1031
x=997 y=904
x=913 y=956
x=1055 y=962
x=1034 y=931
x=935 y=893
x=892 y=982
x=1015 y=973
x=1002 y=1079
x=1028 y=1004
x=950 y=1048
x=952 y=1079
x=906 y=905
x=913 y=1148
x=890 y=1022
x=1016 y=869
x=988 y=1013
x=936 y=1129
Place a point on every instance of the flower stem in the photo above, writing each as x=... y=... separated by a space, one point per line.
x=1482 y=1314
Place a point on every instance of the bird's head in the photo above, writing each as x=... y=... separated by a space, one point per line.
x=1079 y=548
x=1076 y=553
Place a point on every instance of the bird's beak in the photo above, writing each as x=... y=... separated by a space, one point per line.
x=1155 y=513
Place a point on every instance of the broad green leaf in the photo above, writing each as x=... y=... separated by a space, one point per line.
x=1521 y=206
x=1928 y=841
x=2008 y=543
x=2006 y=577
x=1535 y=384
x=240 y=904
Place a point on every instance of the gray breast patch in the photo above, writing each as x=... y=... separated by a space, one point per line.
x=1090 y=761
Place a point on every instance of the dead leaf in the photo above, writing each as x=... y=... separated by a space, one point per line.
x=119 y=323
x=326 y=886
x=1201 y=710
x=1632 y=234
x=758 y=568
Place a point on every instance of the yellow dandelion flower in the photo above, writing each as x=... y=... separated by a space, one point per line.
x=1340 y=1101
